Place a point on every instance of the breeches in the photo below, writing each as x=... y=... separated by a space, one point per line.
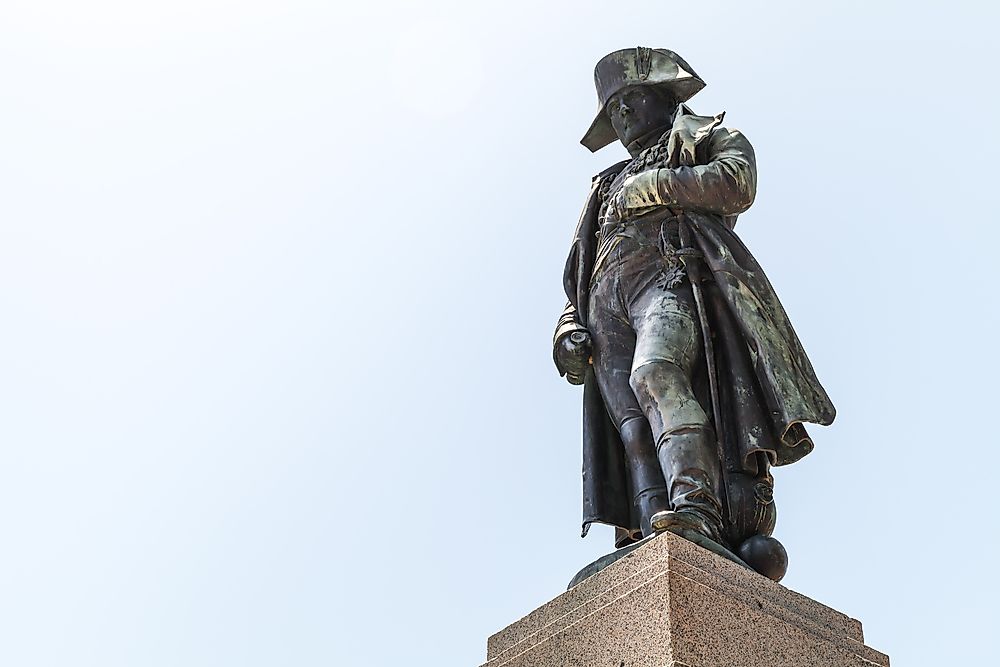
x=646 y=340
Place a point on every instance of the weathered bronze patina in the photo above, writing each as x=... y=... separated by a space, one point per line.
x=694 y=380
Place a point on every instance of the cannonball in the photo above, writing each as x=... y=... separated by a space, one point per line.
x=766 y=555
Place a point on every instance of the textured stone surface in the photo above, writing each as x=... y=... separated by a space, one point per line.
x=672 y=603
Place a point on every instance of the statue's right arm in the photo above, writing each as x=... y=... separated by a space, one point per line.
x=571 y=346
x=568 y=323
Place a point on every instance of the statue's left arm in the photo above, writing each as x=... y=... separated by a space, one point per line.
x=725 y=184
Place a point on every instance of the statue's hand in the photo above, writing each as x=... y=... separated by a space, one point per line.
x=638 y=191
x=573 y=352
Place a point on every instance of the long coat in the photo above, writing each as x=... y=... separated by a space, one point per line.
x=767 y=386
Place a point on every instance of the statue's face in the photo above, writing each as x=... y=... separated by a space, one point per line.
x=638 y=110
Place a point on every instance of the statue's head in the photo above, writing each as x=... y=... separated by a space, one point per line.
x=645 y=84
x=637 y=111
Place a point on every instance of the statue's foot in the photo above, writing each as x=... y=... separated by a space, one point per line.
x=695 y=529
x=650 y=503
x=669 y=520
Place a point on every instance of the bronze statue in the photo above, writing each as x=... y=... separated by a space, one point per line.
x=694 y=380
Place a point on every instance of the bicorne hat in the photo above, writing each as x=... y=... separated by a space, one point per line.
x=637 y=67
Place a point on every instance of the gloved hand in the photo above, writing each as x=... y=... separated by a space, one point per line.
x=573 y=352
x=640 y=190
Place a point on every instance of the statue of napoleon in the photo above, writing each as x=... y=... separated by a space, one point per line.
x=695 y=383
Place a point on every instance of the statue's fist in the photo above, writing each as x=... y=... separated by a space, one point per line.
x=573 y=352
x=638 y=191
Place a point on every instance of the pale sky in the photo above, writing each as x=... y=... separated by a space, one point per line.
x=278 y=282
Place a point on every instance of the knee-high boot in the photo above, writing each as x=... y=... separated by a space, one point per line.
x=649 y=488
x=691 y=469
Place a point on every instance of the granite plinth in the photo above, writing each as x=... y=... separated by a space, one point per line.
x=671 y=603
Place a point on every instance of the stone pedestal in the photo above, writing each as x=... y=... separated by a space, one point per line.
x=671 y=603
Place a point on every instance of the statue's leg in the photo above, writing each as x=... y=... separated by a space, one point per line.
x=613 y=349
x=667 y=347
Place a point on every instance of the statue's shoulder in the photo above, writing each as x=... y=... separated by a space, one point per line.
x=611 y=171
x=690 y=128
x=600 y=185
x=694 y=139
